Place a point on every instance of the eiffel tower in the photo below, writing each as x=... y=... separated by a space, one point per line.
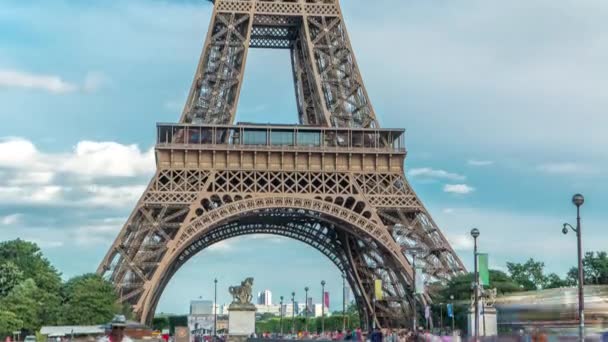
x=335 y=182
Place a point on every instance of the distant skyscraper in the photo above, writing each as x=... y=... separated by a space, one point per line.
x=265 y=298
x=347 y=295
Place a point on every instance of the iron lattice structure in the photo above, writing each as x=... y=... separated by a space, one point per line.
x=335 y=182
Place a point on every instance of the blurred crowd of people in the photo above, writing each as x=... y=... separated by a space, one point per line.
x=357 y=335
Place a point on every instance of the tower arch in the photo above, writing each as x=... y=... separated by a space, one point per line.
x=325 y=226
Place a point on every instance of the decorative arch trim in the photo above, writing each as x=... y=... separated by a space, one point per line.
x=200 y=225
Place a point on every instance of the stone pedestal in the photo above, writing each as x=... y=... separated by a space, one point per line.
x=487 y=321
x=241 y=321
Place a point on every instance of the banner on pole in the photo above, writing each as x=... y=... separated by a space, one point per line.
x=427 y=312
x=378 y=289
x=450 y=310
x=419 y=280
x=326 y=299
x=484 y=273
x=296 y=307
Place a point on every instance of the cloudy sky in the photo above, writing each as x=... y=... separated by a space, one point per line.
x=504 y=103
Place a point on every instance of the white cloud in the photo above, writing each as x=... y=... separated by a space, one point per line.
x=81 y=232
x=47 y=194
x=461 y=189
x=268 y=238
x=9 y=220
x=427 y=172
x=222 y=246
x=20 y=79
x=568 y=168
x=448 y=210
x=96 y=233
x=461 y=242
x=17 y=152
x=30 y=194
x=89 y=158
x=35 y=177
x=54 y=84
x=109 y=159
x=113 y=196
x=47 y=243
x=475 y=162
x=93 y=81
x=83 y=176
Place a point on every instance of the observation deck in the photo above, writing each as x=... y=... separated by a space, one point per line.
x=279 y=147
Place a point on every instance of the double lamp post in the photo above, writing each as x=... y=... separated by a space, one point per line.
x=578 y=201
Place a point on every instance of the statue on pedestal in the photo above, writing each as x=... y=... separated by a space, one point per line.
x=487 y=313
x=241 y=294
x=241 y=312
x=488 y=296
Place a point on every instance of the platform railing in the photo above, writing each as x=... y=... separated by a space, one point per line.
x=289 y=137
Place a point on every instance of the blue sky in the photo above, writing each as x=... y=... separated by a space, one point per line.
x=504 y=105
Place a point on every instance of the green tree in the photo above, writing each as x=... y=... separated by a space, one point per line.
x=23 y=302
x=160 y=322
x=553 y=281
x=460 y=286
x=595 y=266
x=529 y=274
x=9 y=323
x=88 y=299
x=572 y=276
x=10 y=276
x=29 y=259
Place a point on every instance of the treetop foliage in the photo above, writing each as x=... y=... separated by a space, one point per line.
x=32 y=293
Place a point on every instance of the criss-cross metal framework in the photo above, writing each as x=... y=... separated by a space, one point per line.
x=336 y=182
x=329 y=88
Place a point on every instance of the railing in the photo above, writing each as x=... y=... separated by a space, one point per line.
x=245 y=136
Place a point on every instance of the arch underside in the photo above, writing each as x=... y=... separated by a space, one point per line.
x=358 y=257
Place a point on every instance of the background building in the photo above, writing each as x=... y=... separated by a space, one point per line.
x=275 y=309
x=347 y=295
x=201 y=307
x=317 y=311
x=265 y=297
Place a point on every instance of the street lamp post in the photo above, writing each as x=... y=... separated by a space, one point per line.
x=475 y=235
x=306 y=311
x=578 y=201
x=343 y=302
x=440 y=317
x=322 y=306
x=293 y=312
x=414 y=253
x=414 y=301
x=453 y=313
x=281 y=312
x=215 y=308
